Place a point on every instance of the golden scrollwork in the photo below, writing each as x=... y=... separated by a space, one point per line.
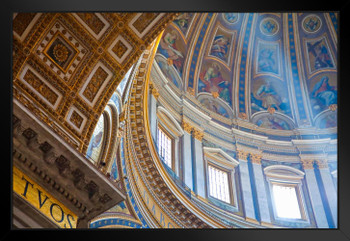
x=333 y=107
x=256 y=158
x=60 y=52
x=186 y=126
x=307 y=163
x=198 y=134
x=322 y=163
x=242 y=155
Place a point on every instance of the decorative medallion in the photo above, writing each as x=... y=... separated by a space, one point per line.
x=311 y=24
x=61 y=52
x=230 y=17
x=269 y=26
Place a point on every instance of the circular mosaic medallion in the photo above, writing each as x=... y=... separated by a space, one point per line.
x=311 y=23
x=231 y=17
x=269 y=26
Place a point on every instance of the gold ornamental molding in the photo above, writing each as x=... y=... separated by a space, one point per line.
x=198 y=134
x=322 y=163
x=242 y=155
x=307 y=163
x=256 y=158
x=186 y=126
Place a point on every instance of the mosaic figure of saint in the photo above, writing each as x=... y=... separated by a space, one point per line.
x=167 y=47
x=266 y=62
x=324 y=94
x=213 y=82
x=321 y=54
x=268 y=97
x=182 y=21
x=220 y=47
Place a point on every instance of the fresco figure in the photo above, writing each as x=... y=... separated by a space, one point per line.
x=213 y=82
x=321 y=54
x=220 y=47
x=267 y=97
x=273 y=123
x=324 y=94
x=182 y=21
x=167 y=47
x=266 y=61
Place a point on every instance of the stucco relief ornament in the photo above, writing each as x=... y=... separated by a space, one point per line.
x=60 y=52
x=243 y=116
x=333 y=107
x=271 y=110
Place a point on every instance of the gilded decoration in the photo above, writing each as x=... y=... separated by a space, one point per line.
x=307 y=164
x=61 y=52
x=76 y=119
x=322 y=164
x=119 y=49
x=62 y=46
x=95 y=84
x=22 y=21
x=186 y=126
x=198 y=134
x=41 y=87
x=256 y=158
x=144 y=20
x=93 y=21
x=242 y=155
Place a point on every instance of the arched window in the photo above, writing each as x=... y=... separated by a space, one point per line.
x=287 y=199
x=96 y=142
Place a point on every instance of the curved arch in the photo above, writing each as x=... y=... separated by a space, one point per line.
x=214 y=104
x=283 y=172
x=262 y=115
x=169 y=72
x=170 y=120
x=113 y=143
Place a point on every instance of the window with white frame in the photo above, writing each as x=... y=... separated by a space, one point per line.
x=286 y=201
x=286 y=192
x=164 y=142
x=218 y=184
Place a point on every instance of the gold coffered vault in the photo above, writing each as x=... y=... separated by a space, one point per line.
x=66 y=66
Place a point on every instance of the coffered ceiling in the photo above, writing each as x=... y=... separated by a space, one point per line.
x=66 y=66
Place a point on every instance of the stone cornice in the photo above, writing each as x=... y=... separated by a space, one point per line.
x=45 y=157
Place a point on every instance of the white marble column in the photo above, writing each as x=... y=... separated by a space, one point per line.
x=329 y=188
x=260 y=189
x=314 y=193
x=199 y=163
x=248 y=202
x=187 y=155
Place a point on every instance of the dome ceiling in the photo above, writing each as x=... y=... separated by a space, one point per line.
x=275 y=70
